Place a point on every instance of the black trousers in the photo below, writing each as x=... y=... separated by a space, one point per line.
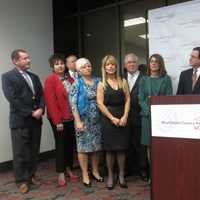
x=136 y=156
x=25 y=145
x=65 y=145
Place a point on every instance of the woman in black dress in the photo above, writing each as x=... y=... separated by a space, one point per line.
x=113 y=99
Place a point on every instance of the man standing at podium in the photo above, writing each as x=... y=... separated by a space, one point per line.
x=189 y=82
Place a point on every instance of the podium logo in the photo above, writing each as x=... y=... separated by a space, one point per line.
x=168 y=120
x=197 y=122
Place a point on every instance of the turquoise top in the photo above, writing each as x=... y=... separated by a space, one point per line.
x=149 y=86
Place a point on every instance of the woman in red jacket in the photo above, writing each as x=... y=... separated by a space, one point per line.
x=56 y=90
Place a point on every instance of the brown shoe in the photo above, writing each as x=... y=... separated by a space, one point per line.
x=36 y=182
x=23 y=188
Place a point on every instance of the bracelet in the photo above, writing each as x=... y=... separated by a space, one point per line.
x=111 y=118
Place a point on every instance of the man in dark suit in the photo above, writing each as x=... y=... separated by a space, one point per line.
x=136 y=155
x=24 y=92
x=189 y=82
x=71 y=66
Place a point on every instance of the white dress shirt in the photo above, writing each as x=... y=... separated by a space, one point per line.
x=132 y=79
x=73 y=74
x=198 y=72
x=28 y=80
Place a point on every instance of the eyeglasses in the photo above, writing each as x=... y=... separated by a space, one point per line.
x=154 y=61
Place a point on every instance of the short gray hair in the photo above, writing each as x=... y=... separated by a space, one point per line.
x=132 y=55
x=81 y=62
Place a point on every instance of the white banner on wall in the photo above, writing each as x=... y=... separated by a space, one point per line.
x=176 y=121
x=173 y=33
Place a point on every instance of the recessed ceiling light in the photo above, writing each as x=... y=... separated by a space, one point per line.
x=134 y=21
x=144 y=36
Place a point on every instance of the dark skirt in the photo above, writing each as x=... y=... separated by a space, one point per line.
x=114 y=138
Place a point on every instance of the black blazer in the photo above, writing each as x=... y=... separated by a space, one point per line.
x=21 y=98
x=134 y=113
x=185 y=84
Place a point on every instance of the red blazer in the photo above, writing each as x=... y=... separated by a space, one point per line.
x=56 y=99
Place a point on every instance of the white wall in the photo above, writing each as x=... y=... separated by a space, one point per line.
x=24 y=24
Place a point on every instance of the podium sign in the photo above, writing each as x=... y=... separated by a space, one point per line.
x=178 y=121
x=175 y=147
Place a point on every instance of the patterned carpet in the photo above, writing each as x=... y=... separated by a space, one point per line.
x=49 y=190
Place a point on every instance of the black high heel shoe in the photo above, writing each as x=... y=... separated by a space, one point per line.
x=101 y=179
x=87 y=184
x=123 y=185
x=143 y=176
x=110 y=187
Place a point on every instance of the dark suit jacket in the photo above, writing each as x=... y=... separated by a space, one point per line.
x=185 y=84
x=134 y=114
x=21 y=98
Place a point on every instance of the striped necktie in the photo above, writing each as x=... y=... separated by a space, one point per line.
x=28 y=80
x=194 y=78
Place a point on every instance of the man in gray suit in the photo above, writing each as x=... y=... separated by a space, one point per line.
x=24 y=92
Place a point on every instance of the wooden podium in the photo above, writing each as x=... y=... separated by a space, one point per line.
x=175 y=162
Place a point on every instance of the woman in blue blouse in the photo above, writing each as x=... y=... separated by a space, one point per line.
x=87 y=120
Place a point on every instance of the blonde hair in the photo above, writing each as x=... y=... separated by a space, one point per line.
x=110 y=59
x=81 y=62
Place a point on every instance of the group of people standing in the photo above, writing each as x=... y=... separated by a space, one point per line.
x=88 y=114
